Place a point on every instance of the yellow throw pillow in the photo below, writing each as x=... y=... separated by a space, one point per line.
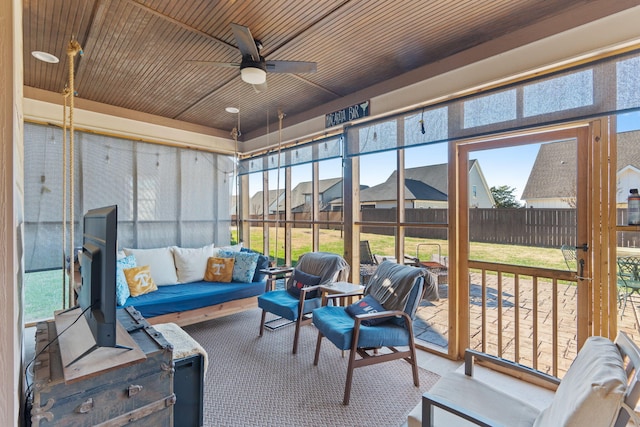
x=219 y=269
x=139 y=280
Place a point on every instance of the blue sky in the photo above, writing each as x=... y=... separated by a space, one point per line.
x=507 y=166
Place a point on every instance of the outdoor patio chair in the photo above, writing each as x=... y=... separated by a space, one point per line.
x=368 y=262
x=628 y=280
x=366 y=256
x=388 y=308
x=570 y=257
x=600 y=388
x=302 y=294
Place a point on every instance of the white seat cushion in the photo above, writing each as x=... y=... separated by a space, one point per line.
x=476 y=396
x=592 y=391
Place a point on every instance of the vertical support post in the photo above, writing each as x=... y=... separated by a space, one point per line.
x=11 y=205
x=265 y=214
x=400 y=217
x=242 y=201
x=315 y=208
x=351 y=208
x=288 y=215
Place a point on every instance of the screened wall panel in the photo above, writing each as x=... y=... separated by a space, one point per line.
x=165 y=195
x=628 y=88
x=158 y=179
x=112 y=163
x=196 y=167
x=582 y=92
x=157 y=234
x=323 y=149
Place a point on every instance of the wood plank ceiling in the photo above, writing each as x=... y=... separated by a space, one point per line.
x=136 y=52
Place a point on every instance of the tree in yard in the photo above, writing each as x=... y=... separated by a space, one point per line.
x=504 y=197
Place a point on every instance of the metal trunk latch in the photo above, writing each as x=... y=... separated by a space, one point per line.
x=134 y=389
x=85 y=407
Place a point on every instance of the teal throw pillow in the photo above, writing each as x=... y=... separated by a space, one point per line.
x=122 y=288
x=245 y=265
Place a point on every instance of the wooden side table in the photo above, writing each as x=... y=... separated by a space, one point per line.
x=349 y=289
x=276 y=273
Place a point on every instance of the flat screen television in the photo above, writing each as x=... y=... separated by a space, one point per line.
x=97 y=295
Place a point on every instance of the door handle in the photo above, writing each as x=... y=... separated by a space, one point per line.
x=581 y=264
x=584 y=247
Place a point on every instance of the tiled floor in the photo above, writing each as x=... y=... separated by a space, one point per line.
x=431 y=324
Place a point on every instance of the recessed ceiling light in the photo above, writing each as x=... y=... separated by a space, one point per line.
x=232 y=110
x=46 y=57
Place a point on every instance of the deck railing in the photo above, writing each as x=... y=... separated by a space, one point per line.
x=526 y=314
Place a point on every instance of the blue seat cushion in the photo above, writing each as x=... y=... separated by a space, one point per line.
x=337 y=325
x=191 y=296
x=281 y=303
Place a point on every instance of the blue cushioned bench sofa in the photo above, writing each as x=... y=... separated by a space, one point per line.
x=182 y=301
x=187 y=303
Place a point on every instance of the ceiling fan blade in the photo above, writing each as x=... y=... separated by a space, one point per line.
x=246 y=42
x=295 y=67
x=260 y=88
x=214 y=63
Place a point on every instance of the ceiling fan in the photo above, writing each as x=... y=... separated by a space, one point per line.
x=254 y=68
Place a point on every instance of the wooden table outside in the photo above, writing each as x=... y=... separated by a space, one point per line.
x=348 y=289
x=276 y=273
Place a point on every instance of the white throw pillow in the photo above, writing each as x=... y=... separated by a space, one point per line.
x=191 y=263
x=160 y=262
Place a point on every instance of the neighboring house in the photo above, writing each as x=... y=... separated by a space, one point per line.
x=552 y=182
x=426 y=187
x=328 y=189
x=256 y=202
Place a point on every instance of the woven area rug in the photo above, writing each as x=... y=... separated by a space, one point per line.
x=256 y=381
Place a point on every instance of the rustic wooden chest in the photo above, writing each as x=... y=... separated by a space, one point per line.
x=139 y=394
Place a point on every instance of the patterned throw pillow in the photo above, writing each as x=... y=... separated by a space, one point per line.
x=263 y=263
x=139 y=280
x=219 y=269
x=300 y=279
x=367 y=305
x=245 y=264
x=122 y=288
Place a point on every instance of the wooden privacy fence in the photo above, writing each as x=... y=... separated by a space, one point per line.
x=550 y=228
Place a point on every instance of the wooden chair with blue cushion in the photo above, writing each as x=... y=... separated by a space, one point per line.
x=383 y=318
x=302 y=294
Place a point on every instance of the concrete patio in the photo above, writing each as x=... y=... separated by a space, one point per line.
x=431 y=325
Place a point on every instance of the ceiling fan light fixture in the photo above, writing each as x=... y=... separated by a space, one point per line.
x=253 y=75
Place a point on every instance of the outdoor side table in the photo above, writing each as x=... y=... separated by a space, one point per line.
x=349 y=289
x=276 y=273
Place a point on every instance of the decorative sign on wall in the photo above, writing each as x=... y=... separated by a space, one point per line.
x=347 y=114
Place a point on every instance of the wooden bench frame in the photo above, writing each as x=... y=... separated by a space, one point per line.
x=189 y=317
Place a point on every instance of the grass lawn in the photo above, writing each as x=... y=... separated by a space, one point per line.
x=333 y=241
x=42 y=294
x=43 y=290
